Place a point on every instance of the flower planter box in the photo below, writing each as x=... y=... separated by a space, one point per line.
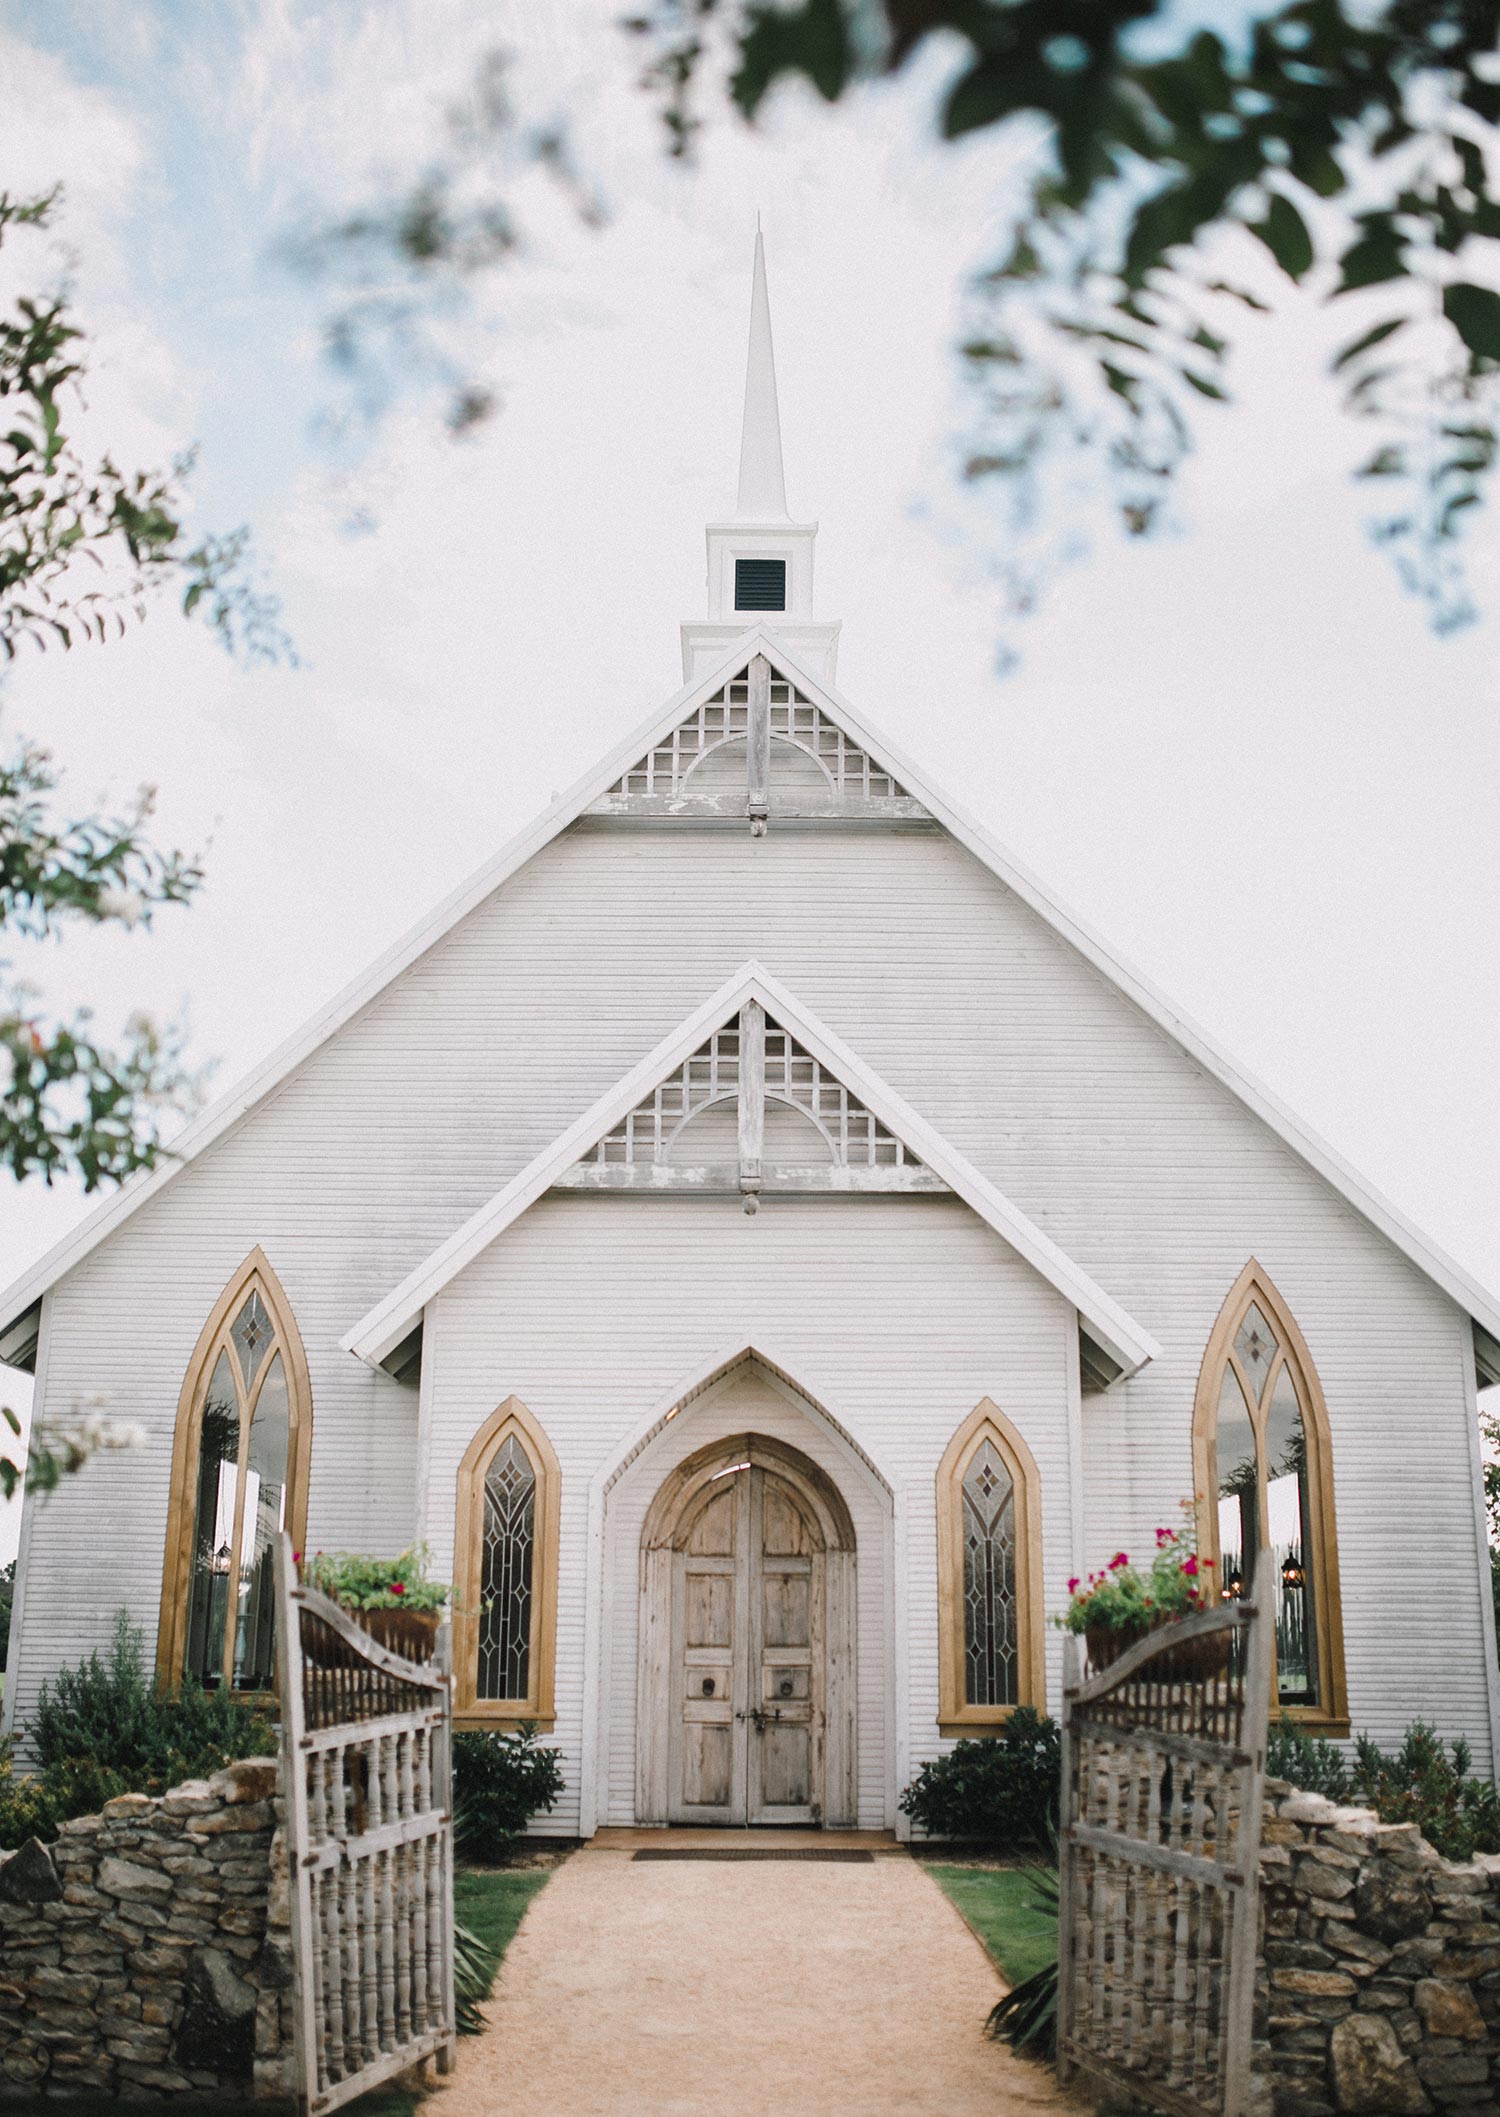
x=1194 y=1661
x=412 y=1633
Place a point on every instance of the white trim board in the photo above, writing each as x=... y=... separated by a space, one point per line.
x=392 y=1320
x=1441 y=1269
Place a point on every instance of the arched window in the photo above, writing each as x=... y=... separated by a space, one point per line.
x=989 y=1575
x=239 y=1476
x=1263 y=1470
x=505 y=1615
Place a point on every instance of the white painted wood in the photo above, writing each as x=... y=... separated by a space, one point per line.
x=1087 y=946
x=1128 y=1154
x=389 y=1322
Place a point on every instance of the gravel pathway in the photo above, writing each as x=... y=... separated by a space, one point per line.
x=758 y=1988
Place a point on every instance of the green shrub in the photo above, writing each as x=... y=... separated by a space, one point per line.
x=500 y=1781
x=1318 y=1767
x=103 y=1729
x=1002 y=1790
x=1419 y=1783
x=1458 y=1815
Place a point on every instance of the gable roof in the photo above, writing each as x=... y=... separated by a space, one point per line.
x=392 y=1320
x=17 y=1326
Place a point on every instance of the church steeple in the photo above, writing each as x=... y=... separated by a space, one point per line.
x=760 y=562
x=762 y=493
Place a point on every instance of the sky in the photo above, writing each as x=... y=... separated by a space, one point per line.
x=1238 y=751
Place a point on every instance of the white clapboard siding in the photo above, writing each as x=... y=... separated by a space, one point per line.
x=895 y=1316
x=1144 y=1169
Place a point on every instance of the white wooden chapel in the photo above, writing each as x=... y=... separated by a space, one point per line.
x=765 y=1247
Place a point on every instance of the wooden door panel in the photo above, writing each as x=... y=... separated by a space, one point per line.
x=708 y=1615
x=712 y=1534
x=708 y=1766
x=786 y=1766
x=786 y=1608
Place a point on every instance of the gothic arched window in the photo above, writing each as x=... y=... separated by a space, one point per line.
x=989 y=1575
x=239 y=1476
x=505 y=1617
x=1263 y=1470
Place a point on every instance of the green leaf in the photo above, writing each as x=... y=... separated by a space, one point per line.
x=1366 y=339
x=1284 y=233
x=1474 y=313
x=1375 y=258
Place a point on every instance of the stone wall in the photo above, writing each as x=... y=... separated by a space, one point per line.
x=1380 y=1988
x=148 y=1952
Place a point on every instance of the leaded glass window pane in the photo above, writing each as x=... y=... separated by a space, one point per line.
x=991 y=1628
x=252 y=1335
x=1255 y=1342
x=1239 y=1488
x=265 y=1512
x=213 y=1527
x=1289 y=1510
x=506 y=1581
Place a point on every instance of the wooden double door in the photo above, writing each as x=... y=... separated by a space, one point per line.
x=749 y=1671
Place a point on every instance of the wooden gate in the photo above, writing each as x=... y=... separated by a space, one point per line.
x=367 y=1741
x=1164 y=1757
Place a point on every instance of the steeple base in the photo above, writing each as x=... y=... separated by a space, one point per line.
x=705 y=643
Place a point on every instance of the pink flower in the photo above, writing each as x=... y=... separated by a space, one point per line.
x=398 y=1587
x=1190 y=1567
x=1073 y=1585
x=1120 y=1558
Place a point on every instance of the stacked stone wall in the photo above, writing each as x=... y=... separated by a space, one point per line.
x=1380 y=1983
x=147 y=1953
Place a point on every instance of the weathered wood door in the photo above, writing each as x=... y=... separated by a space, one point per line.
x=748 y=1656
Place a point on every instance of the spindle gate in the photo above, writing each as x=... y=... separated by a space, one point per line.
x=1163 y=1779
x=367 y=1741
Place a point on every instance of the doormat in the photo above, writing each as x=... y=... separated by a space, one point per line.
x=846 y=1855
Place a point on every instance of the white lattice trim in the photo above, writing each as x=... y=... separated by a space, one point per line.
x=855 y=1136
x=725 y=718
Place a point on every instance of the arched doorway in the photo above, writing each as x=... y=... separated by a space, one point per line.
x=747 y=1657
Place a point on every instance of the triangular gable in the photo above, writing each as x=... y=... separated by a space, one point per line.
x=1124 y=1343
x=18 y=1304
x=847 y=774
x=745 y=1074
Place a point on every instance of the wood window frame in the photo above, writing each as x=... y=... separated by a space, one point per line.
x=1331 y=1715
x=509 y=1418
x=254 y=1275
x=987 y=1422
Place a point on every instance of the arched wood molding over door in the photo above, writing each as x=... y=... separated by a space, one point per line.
x=505 y=1627
x=252 y=1345
x=809 y=1509
x=1262 y=1449
x=991 y=1646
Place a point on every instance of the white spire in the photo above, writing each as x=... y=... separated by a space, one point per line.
x=762 y=494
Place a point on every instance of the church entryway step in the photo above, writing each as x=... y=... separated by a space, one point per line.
x=743 y=1988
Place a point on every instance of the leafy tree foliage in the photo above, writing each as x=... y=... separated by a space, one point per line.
x=1353 y=143
x=84 y=547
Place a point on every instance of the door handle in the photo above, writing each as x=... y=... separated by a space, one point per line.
x=760 y=1716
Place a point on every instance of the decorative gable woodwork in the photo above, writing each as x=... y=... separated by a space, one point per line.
x=751 y=1111
x=759 y=748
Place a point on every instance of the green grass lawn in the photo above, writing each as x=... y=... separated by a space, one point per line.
x=491 y=1902
x=996 y=1902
